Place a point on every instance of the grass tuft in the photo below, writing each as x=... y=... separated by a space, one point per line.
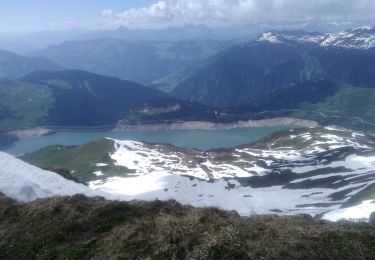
x=93 y=228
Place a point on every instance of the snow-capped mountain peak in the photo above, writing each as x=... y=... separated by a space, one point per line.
x=291 y=37
x=357 y=38
x=269 y=37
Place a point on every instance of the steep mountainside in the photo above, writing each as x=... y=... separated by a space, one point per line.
x=289 y=98
x=327 y=172
x=141 y=61
x=251 y=71
x=241 y=75
x=13 y=65
x=68 y=99
x=324 y=102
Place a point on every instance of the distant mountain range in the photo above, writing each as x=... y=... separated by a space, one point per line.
x=41 y=39
x=164 y=64
x=13 y=65
x=280 y=60
x=139 y=61
x=328 y=78
x=267 y=75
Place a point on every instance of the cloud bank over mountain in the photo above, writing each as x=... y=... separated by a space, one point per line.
x=111 y=14
x=176 y=12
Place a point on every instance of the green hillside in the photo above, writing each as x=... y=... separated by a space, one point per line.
x=68 y=99
x=351 y=107
x=82 y=160
x=23 y=104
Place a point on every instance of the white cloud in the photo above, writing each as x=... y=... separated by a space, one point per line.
x=174 y=12
x=165 y=13
x=107 y=12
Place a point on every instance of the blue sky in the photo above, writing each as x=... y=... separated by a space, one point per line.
x=18 y=14
x=33 y=15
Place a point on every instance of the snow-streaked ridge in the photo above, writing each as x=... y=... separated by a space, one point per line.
x=225 y=179
x=358 y=38
x=24 y=182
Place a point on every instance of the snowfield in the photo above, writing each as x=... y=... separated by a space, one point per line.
x=359 y=212
x=311 y=171
x=24 y=182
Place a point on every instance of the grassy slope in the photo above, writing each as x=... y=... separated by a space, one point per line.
x=26 y=104
x=80 y=159
x=350 y=107
x=82 y=228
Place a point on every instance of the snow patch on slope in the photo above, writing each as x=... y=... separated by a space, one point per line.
x=24 y=182
x=144 y=159
x=224 y=194
x=269 y=37
x=223 y=178
x=359 y=212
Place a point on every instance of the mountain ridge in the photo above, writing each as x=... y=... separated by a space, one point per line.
x=13 y=65
x=356 y=38
x=140 y=61
x=68 y=99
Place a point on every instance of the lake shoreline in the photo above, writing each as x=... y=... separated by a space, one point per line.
x=31 y=132
x=192 y=139
x=172 y=133
x=183 y=125
x=202 y=125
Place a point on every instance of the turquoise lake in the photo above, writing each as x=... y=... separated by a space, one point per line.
x=200 y=139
